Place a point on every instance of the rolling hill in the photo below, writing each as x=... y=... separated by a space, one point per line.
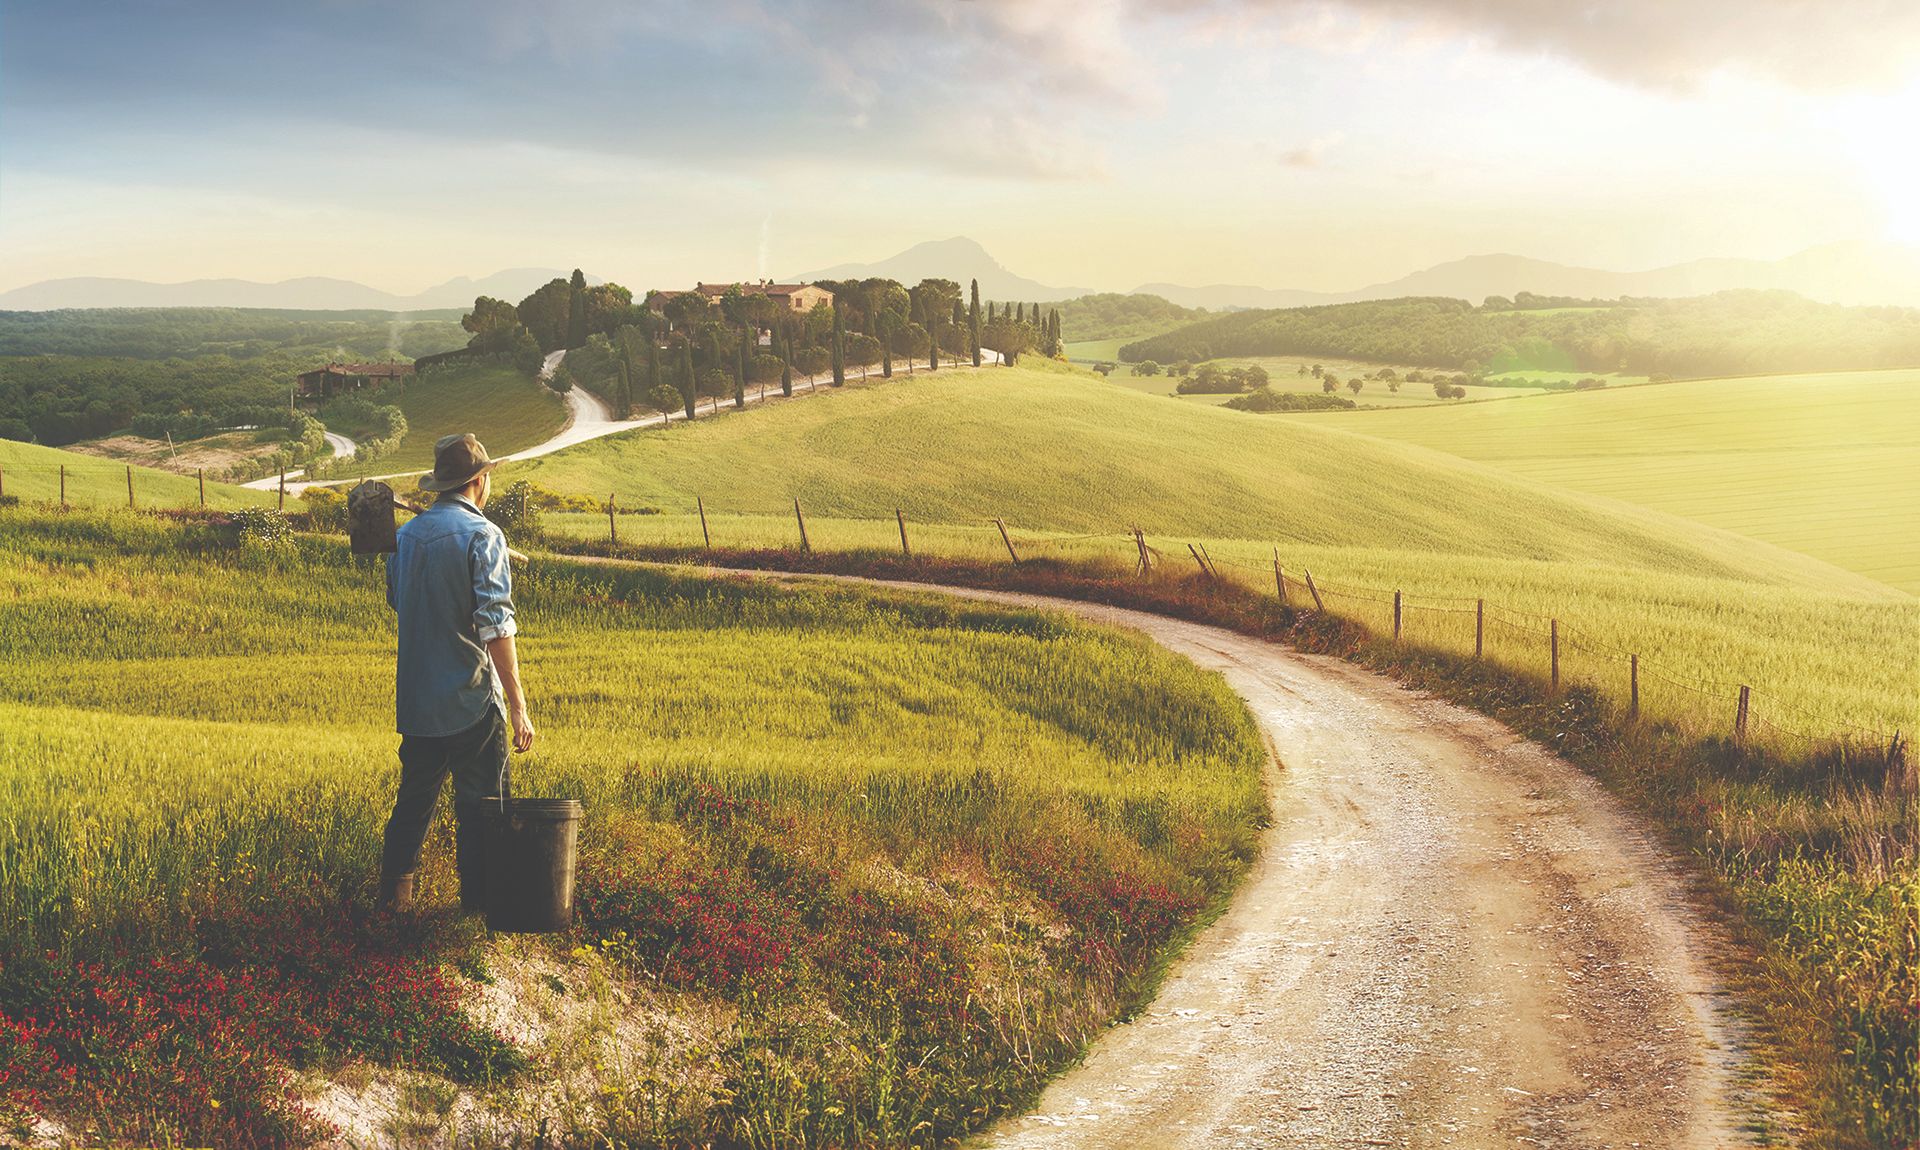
x=1828 y=465
x=1071 y=462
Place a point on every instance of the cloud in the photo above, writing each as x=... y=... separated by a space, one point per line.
x=1313 y=153
x=1672 y=44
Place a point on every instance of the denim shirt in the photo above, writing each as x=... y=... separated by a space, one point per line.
x=449 y=584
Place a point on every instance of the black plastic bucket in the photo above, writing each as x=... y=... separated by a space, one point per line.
x=530 y=845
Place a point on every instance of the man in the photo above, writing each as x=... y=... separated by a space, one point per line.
x=448 y=582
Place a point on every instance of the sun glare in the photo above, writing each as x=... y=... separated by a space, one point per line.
x=1880 y=131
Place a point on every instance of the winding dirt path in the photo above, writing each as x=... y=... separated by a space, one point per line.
x=1451 y=938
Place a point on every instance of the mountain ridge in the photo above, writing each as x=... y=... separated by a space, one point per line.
x=301 y=293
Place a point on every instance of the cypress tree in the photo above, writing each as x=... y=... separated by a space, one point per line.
x=886 y=346
x=740 y=373
x=786 y=361
x=653 y=366
x=973 y=323
x=933 y=340
x=1019 y=313
x=623 y=394
x=577 y=310
x=686 y=377
x=839 y=350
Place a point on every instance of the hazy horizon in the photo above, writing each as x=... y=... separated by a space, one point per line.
x=1280 y=143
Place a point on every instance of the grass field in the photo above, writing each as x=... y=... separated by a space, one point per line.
x=907 y=852
x=507 y=410
x=32 y=474
x=1828 y=465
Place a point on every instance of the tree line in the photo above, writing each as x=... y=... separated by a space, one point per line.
x=680 y=347
x=1729 y=333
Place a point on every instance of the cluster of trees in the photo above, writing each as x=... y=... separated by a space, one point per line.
x=683 y=347
x=1111 y=315
x=1266 y=399
x=1215 y=379
x=1731 y=333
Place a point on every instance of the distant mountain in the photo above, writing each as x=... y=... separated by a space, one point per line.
x=1849 y=273
x=958 y=259
x=309 y=293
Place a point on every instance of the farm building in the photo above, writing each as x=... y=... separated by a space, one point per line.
x=794 y=297
x=337 y=378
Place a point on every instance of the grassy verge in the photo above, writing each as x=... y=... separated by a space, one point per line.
x=876 y=865
x=1812 y=854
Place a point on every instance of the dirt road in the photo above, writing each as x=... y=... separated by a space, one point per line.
x=1451 y=938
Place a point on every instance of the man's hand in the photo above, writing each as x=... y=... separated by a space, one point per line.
x=506 y=664
x=522 y=731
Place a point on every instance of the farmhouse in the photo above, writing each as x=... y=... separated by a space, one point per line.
x=793 y=297
x=337 y=378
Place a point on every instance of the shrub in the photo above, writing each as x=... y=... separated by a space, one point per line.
x=516 y=511
x=260 y=527
x=326 y=509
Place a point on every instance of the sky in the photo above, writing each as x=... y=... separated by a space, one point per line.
x=1315 y=144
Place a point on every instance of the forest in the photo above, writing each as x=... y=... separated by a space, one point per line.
x=71 y=375
x=1113 y=315
x=1730 y=333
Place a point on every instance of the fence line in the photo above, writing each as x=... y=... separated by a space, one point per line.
x=1554 y=640
x=1539 y=635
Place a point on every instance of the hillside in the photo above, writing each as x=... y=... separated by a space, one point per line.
x=1733 y=333
x=507 y=411
x=1072 y=453
x=32 y=473
x=1828 y=465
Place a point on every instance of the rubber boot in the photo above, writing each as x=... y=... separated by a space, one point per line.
x=396 y=893
x=470 y=860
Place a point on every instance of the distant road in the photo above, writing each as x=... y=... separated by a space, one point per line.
x=589 y=418
x=343 y=448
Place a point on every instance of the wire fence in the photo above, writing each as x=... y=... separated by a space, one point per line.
x=1544 y=645
x=123 y=485
x=1560 y=651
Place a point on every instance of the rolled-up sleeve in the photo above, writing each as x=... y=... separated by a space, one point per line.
x=492 y=587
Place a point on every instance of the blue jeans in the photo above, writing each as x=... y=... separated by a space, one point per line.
x=477 y=760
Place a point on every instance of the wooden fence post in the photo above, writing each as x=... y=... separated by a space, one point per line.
x=1279 y=578
x=802 y=520
x=1208 y=560
x=1146 y=556
x=63 y=485
x=1005 y=538
x=1633 y=686
x=1553 y=637
x=3 y=483
x=1479 y=627
x=1192 y=550
x=201 y=472
x=1396 y=616
x=283 y=489
x=129 y=486
x=704 y=533
x=902 y=517
x=1740 y=716
x=613 y=531
x=1314 y=591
